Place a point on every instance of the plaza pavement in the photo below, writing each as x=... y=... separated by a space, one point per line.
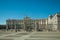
x=29 y=35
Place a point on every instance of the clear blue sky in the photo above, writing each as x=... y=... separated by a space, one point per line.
x=17 y=9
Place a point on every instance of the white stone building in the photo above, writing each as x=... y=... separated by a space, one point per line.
x=54 y=22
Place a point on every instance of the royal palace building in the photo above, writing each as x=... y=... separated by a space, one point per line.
x=52 y=23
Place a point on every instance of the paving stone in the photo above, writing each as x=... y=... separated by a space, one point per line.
x=6 y=39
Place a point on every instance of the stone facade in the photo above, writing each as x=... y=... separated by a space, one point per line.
x=52 y=23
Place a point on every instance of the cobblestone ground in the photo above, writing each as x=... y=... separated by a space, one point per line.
x=29 y=35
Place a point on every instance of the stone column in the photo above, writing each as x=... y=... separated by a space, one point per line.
x=7 y=27
x=24 y=26
x=11 y=28
x=15 y=28
x=35 y=27
x=39 y=25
